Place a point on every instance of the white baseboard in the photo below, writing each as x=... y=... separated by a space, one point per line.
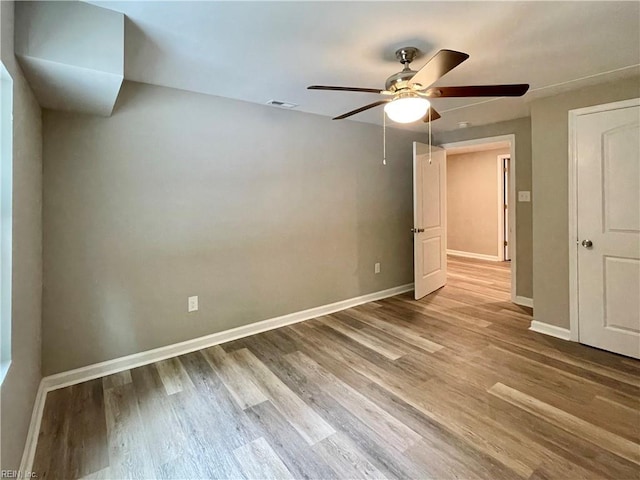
x=552 y=330
x=90 y=372
x=523 y=301
x=26 y=464
x=83 y=374
x=479 y=256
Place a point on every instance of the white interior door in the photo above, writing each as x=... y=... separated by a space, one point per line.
x=607 y=157
x=429 y=218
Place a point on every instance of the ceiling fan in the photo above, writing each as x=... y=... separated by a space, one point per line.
x=410 y=90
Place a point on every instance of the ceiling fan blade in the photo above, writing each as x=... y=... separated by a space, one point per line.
x=441 y=63
x=434 y=115
x=515 y=90
x=361 y=109
x=344 y=89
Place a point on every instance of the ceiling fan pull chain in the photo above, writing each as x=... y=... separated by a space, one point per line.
x=429 y=113
x=384 y=138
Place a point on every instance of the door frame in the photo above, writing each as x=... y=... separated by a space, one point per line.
x=501 y=239
x=511 y=138
x=574 y=326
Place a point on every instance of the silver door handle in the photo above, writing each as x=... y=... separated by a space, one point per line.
x=587 y=243
x=417 y=230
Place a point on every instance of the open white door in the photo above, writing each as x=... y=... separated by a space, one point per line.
x=429 y=218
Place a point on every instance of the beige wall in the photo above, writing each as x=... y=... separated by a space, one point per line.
x=259 y=211
x=549 y=129
x=473 y=195
x=521 y=128
x=19 y=388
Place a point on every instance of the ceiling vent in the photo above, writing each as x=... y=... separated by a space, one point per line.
x=278 y=103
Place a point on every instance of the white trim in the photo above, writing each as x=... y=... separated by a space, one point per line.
x=573 y=230
x=523 y=301
x=116 y=365
x=26 y=464
x=511 y=138
x=500 y=194
x=574 y=321
x=7 y=157
x=479 y=256
x=90 y=372
x=551 y=330
x=605 y=107
x=501 y=219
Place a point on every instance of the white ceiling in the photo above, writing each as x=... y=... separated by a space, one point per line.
x=257 y=51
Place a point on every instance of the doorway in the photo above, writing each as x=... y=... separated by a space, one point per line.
x=481 y=214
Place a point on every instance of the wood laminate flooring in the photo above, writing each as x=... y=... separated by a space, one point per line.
x=451 y=386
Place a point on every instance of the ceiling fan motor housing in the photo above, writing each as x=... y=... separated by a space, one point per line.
x=398 y=81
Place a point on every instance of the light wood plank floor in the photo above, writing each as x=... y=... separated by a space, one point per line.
x=452 y=386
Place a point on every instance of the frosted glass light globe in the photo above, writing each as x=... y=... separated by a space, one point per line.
x=407 y=110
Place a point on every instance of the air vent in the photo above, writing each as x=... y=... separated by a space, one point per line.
x=278 y=103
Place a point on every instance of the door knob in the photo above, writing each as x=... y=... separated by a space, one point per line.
x=417 y=230
x=587 y=243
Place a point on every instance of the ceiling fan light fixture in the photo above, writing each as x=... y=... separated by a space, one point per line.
x=407 y=109
x=409 y=88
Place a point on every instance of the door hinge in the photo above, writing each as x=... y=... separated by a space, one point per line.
x=506 y=170
x=506 y=243
x=505 y=206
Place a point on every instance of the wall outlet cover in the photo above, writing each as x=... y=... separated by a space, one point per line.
x=376 y=268
x=524 y=196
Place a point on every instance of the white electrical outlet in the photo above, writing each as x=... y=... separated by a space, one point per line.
x=192 y=303
x=376 y=268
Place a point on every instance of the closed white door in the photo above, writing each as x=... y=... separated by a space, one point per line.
x=429 y=218
x=607 y=157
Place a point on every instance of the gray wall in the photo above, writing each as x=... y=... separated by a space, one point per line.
x=257 y=210
x=19 y=388
x=524 y=235
x=549 y=129
x=473 y=197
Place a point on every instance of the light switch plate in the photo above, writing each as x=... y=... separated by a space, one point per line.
x=192 y=304
x=524 y=196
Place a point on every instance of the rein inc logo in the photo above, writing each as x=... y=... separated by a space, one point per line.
x=17 y=474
